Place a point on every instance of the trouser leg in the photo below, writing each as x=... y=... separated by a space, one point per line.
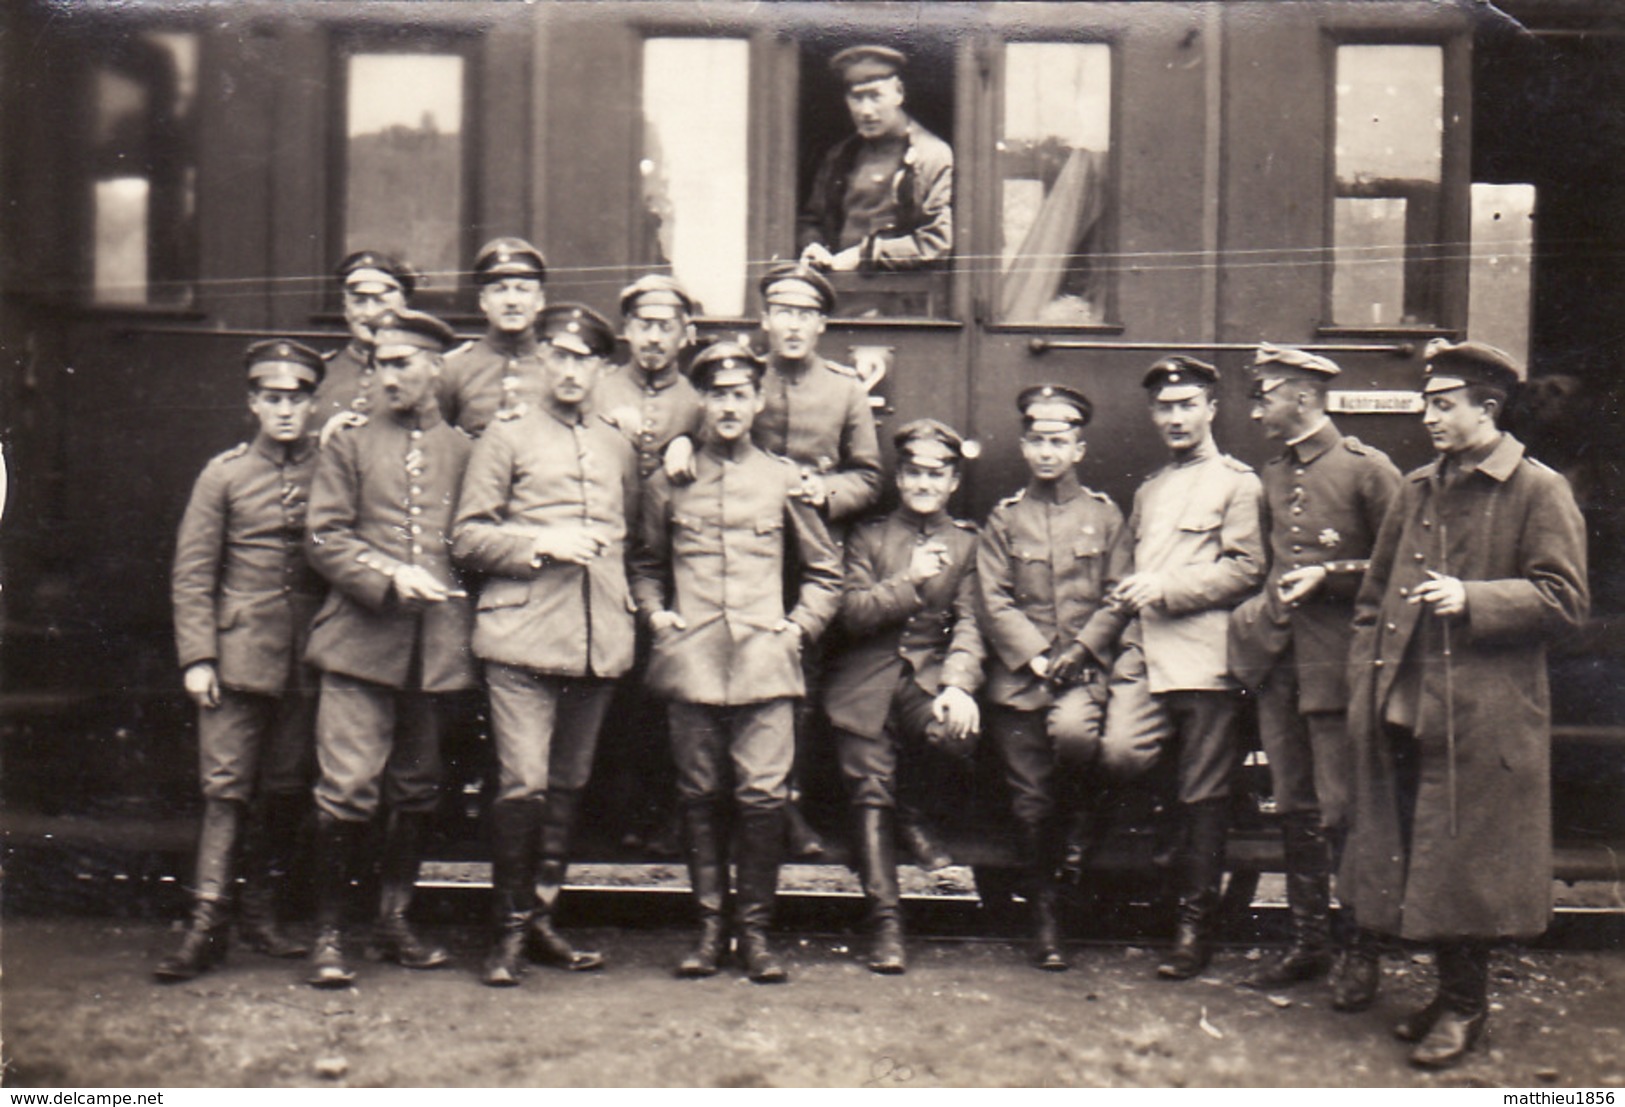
x=554 y=832
x=1461 y=1009
x=270 y=836
x=204 y=944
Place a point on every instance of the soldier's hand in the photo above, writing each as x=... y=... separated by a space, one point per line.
x=1139 y=591
x=679 y=461
x=928 y=559
x=817 y=255
x=202 y=682
x=1040 y=666
x=1299 y=584
x=667 y=620
x=1448 y=595
x=847 y=260
x=813 y=489
x=574 y=545
x=415 y=584
x=958 y=713
x=342 y=419
x=1069 y=664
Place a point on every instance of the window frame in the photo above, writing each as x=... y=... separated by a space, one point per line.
x=1450 y=266
x=344 y=42
x=989 y=184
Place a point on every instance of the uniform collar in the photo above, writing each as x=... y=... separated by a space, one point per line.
x=660 y=380
x=361 y=351
x=795 y=370
x=1315 y=443
x=1498 y=464
x=570 y=417
x=1062 y=491
x=284 y=453
x=425 y=418
x=1203 y=451
x=518 y=345
x=927 y=525
x=718 y=450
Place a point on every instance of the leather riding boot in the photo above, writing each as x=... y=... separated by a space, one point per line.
x=270 y=833
x=204 y=945
x=915 y=833
x=555 y=829
x=761 y=834
x=335 y=850
x=1308 y=897
x=1039 y=855
x=803 y=842
x=877 y=871
x=513 y=841
x=1464 y=971
x=393 y=938
x=1208 y=824
x=1357 y=974
x=708 y=880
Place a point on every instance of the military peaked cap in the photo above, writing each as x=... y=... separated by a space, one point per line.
x=372 y=272
x=723 y=365
x=1458 y=364
x=797 y=285
x=577 y=328
x=417 y=329
x=657 y=296
x=508 y=257
x=1181 y=373
x=284 y=363
x=928 y=444
x=860 y=64
x=1053 y=407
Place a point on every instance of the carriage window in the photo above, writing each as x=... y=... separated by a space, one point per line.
x=1498 y=287
x=1054 y=182
x=404 y=160
x=876 y=197
x=144 y=171
x=694 y=170
x=1386 y=217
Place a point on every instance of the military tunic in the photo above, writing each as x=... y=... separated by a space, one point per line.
x=714 y=551
x=908 y=642
x=243 y=596
x=1044 y=570
x=1510 y=531
x=552 y=633
x=650 y=409
x=817 y=414
x=1325 y=497
x=384 y=496
x=348 y=387
x=494 y=375
x=909 y=219
x=1195 y=523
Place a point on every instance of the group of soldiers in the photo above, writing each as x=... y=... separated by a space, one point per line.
x=520 y=514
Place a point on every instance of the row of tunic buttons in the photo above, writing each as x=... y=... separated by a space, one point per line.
x=414 y=470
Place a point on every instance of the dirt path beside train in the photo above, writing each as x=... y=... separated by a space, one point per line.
x=79 y=1010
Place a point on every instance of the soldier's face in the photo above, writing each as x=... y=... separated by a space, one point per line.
x=1455 y=423
x=1185 y=423
x=363 y=309
x=730 y=410
x=1050 y=455
x=792 y=332
x=570 y=375
x=655 y=343
x=926 y=491
x=512 y=303
x=406 y=378
x=283 y=413
x=876 y=107
x=1278 y=412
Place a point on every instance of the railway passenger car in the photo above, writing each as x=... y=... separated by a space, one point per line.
x=1132 y=179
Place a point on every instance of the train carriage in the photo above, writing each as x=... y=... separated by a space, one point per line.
x=1131 y=179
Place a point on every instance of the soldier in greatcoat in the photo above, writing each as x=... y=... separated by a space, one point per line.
x=392 y=636
x=374 y=284
x=1043 y=575
x=905 y=689
x=1325 y=496
x=499 y=373
x=709 y=579
x=546 y=507
x=1480 y=563
x=243 y=598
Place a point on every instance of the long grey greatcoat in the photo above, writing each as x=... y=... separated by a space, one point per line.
x=1511 y=531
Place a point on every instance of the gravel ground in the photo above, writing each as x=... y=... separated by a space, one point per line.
x=79 y=1009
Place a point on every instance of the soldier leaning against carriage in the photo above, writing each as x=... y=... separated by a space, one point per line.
x=686 y=534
